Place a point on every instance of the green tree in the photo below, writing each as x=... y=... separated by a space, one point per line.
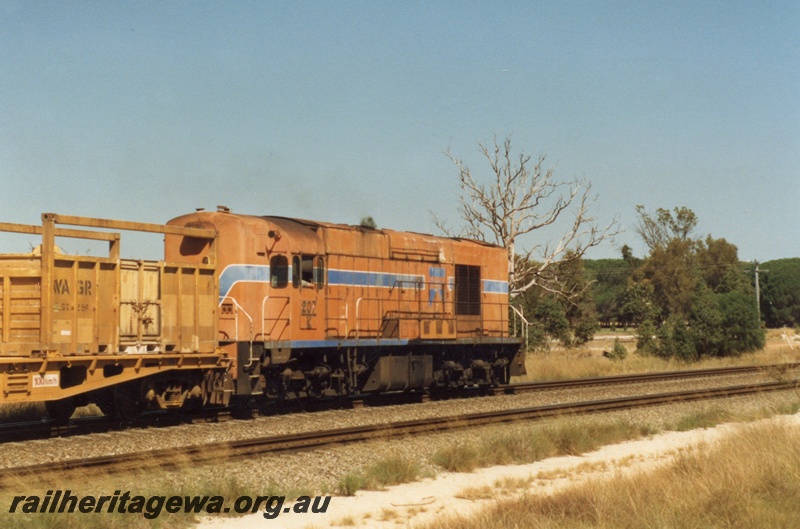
x=675 y=339
x=705 y=321
x=780 y=292
x=703 y=301
x=571 y=321
x=646 y=337
x=580 y=310
x=550 y=322
x=618 y=351
x=662 y=228
x=671 y=272
x=547 y=318
x=368 y=222
x=740 y=322
x=638 y=305
x=610 y=282
x=718 y=262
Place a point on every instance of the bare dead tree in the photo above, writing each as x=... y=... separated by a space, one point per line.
x=520 y=196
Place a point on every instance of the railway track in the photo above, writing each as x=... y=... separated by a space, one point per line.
x=48 y=428
x=308 y=440
x=779 y=369
x=42 y=429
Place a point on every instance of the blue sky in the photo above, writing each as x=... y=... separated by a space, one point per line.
x=338 y=110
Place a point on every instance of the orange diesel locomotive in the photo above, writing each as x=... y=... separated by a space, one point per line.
x=244 y=306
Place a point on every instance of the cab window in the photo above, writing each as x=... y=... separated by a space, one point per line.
x=303 y=271
x=319 y=272
x=279 y=271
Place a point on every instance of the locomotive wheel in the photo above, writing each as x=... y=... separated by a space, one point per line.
x=60 y=410
x=242 y=408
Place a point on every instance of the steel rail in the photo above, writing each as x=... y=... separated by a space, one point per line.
x=174 y=457
x=645 y=377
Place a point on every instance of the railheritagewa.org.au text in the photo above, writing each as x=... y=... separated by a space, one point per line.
x=153 y=506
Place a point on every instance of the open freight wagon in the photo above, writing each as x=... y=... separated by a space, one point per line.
x=117 y=332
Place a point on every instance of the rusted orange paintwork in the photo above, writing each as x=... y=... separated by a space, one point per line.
x=354 y=282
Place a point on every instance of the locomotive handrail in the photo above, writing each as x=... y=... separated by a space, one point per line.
x=263 y=316
x=519 y=314
x=275 y=320
x=236 y=318
x=236 y=323
x=346 y=319
x=358 y=303
x=486 y=321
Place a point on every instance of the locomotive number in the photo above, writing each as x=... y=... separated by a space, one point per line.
x=308 y=309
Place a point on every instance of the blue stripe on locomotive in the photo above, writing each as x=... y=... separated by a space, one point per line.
x=354 y=278
x=237 y=273
x=491 y=286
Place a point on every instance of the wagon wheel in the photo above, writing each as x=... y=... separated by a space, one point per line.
x=127 y=403
x=122 y=402
x=105 y=401
x=60 y=410
x=198 y=396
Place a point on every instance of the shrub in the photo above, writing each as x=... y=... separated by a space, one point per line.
x=645 y=337
x=618 y=351
x=676 y=340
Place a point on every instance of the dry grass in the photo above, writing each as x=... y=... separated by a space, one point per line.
x=750 y=479
x=22 y=412
x=388 y=471
x=568 y=436
x=347 y=521
x=36 y=410
x=388 y=515
x=500 y=488
x=588 y=361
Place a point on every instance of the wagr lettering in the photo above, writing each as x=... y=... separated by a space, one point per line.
x=61 y=286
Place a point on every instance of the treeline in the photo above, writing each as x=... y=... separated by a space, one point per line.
x=616 y=305
x=690 y=296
